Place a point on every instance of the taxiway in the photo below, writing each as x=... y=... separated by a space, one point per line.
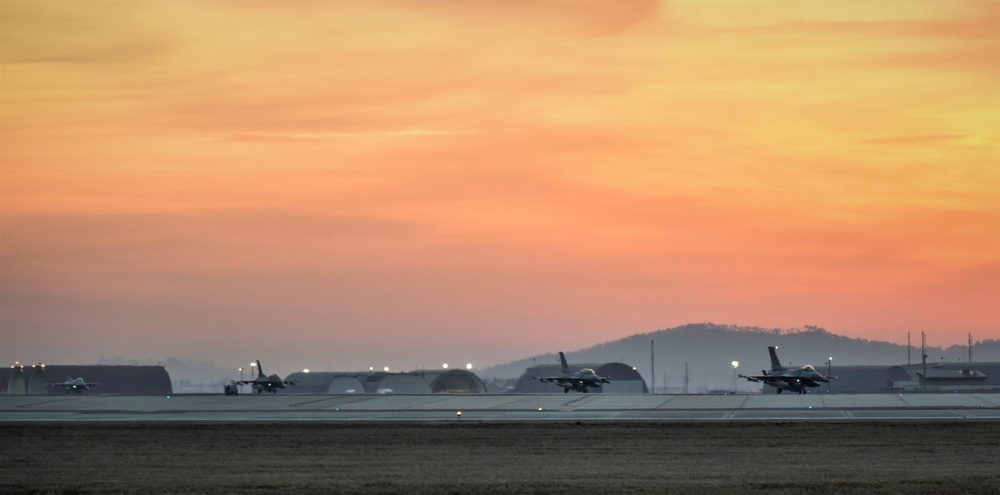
x=497 y=408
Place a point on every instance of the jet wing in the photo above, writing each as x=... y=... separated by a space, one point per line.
x=773 y=379
x=790 y=381
x=570 y=379
x=551 y=379
x=559 y=379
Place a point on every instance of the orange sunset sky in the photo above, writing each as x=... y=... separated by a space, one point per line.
x=408 y=182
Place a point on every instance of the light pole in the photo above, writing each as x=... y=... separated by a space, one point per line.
x=241 y=380
x=736 y=364
x=253 y=368
x=829 y=384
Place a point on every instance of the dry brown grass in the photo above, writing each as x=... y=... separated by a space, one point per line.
x=696 y=458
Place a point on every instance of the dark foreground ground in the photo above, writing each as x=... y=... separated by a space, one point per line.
x=698 y=458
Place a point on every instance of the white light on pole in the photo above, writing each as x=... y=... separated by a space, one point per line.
x=829 y=364
x=736 y=364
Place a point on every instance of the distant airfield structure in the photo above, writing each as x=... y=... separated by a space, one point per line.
x=941 y=377
x=911 y=378
x=118 y=380
x=624 y=379
x=379 y=382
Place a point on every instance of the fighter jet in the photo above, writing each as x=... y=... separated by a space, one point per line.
x=266 y=383
x=574 y=380
x=71 y=384
x=784 y=378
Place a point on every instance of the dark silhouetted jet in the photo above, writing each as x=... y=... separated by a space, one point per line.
x=266 y=383
x=77 y=385
x=794 y=379
x=574 y=380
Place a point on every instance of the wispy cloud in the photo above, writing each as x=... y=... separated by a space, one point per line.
x=908 y=140
x=337 y=136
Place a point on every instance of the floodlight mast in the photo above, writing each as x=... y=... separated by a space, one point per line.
x=829 y=384
x=736 y=364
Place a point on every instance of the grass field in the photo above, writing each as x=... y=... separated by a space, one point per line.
x=689 y=458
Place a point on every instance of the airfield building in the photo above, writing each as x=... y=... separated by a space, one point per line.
x=624 y=379
x=454 y=381
x=121 y=380
x=910 y=378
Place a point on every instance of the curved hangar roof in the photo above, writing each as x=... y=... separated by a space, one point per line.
x=124 y=380
x=363 y=382
x=624 y=379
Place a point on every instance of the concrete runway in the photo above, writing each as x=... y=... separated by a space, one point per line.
x=289 y=408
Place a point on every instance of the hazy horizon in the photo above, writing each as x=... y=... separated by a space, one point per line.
x=355 y=184
x=184 y=368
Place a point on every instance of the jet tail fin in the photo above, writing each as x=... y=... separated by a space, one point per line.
x=260 y=369
x=775 y=363
x=562 y=360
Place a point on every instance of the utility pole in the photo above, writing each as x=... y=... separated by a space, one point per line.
x=923 y=351
x=829 y=365
x=686 y=391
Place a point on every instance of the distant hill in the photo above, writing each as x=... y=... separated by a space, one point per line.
x=709 y=349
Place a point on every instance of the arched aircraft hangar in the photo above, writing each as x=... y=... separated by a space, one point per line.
x=454 y=381
x=120 y=380
x=624 y=379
